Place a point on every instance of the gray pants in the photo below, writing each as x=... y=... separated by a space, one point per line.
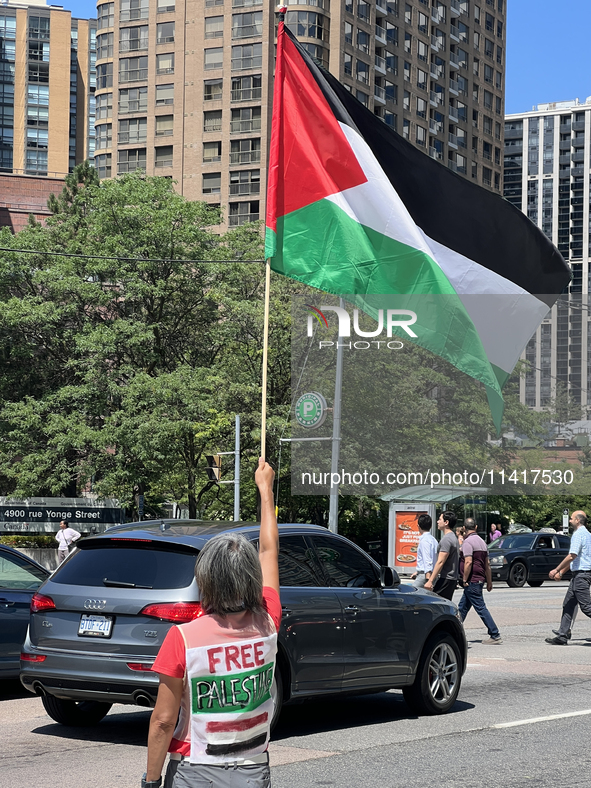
x=182 y=774
x=419 y=580
x=578 y=595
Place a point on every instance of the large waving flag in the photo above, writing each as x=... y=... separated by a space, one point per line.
x=354 y=209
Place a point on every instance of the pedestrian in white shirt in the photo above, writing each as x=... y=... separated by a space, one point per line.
x=426 y=552
x=65 y=537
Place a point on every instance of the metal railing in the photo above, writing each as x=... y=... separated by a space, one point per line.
x=242 y=218
x=242 y=126
x=435 y=154
x=245 y=157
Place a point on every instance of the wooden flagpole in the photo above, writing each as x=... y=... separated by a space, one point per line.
x=281 y=9
x=265 y=356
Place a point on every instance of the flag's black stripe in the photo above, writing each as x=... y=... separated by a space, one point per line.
x=451 y=210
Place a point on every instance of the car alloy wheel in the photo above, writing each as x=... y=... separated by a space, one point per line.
x=443 y=673
x=517 y=575
x=437 y=682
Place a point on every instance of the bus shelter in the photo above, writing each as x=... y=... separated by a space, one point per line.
x=408 y=503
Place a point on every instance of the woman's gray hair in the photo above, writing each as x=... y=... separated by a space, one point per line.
x=229 y=575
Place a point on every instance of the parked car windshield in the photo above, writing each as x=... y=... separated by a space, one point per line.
x=132 y=566
x=520 y=541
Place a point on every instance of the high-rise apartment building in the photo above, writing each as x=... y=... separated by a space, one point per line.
x=546 y=175
x=185 y=89
x=47 y=81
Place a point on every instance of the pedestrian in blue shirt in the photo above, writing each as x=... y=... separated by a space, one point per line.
x=578 y=594
x=426 y=552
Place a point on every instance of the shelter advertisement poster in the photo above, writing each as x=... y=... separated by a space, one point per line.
x=406 y=539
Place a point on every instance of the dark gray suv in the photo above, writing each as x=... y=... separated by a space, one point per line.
x=348 y=625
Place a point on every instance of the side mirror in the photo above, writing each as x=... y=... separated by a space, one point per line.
x=389 y=577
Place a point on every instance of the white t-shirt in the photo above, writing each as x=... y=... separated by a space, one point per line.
x=65 y=536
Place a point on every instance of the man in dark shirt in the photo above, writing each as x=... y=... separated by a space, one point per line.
x=474 y=572
x=444 y=578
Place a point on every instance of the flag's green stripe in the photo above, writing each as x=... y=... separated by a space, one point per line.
x=270 y=243
x=322 y=246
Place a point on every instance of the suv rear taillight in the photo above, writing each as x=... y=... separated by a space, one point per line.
x=26 y=657
x=39 y=603
x=177 y=612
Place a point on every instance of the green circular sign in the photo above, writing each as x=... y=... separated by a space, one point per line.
x=310 y=410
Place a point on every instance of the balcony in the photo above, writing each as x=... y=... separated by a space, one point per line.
x=454 y=33
x=436 y=43
x=381 y=34
x=565 y=128
x=380 y=64
x=566 y=144
x=578 y=156
x=237 y=219
x=435 y=127
x=564 y=159
x=453 y=60
x=577 y=142
x=578 y=125
x=436 y=71
x=244 y=126
x=454 y=87
x=513 y=134
x=453 y=115
x=245 y=157
x=452 y=165
x=436 y=99
x=379 y=94
x=452 y=140
x=436 y=16
x=455 y=8
x=577 y=171
x=434 y=153
x=380 y=9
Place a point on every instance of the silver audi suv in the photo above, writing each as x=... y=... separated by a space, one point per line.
x=348 y=625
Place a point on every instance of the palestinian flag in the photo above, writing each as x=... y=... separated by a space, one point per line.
x=355 y=210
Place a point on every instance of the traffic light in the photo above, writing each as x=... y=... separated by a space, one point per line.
x=214 y=467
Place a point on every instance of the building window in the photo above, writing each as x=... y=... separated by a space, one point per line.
x=214 y=58
x=362 y=97
x=348 y=64
x=163 y=6
x=102 y=164
x=105 y=15
x=133 y=130
x=104 y=46
x=104 y=106
x=212 y=183
x=133 y=100
x=212 y=120
x=130 y=160
x=130 y=10
x=164 y=125
x=363 y=10
x=421 y=79
x=39 y=72
x=246 y=88
x=243 y=212
x=164 y=95
x=487 y=176
x=104 y=136
x=165 y=63
x=214 y=3
x=407 y=42
x=212 y=151
x=245 y=120
x=245 y=151
x=348 y=33
x=131 y=69
x=363 y=41
x=244 y=182
x=421 y=108
x=38 y=50
x=37 y=138
x=489 y=48
x=163 y=156
x=498 y=105
x=245 y=56
x=249 y=25
x=421 y=135
x=212 y=89
x=104 y=76
x=133 y=39
x=36 y=162
x=165 y=33
x=406 y=129
x=214 y=26
x=362 y=72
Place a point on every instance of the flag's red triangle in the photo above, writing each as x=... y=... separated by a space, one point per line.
x=310 y=157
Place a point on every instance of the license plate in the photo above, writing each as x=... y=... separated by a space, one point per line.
x=95 y=626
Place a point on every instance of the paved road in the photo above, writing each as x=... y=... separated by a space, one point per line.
x=372 y=740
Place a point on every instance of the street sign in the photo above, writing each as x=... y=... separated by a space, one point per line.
x=311 y=410
x=565 y=521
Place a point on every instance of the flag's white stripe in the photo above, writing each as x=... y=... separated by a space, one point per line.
x=504 y=324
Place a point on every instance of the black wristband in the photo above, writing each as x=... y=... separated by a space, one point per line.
x=151 y=783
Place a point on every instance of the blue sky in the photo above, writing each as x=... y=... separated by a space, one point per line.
x=546 y=45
